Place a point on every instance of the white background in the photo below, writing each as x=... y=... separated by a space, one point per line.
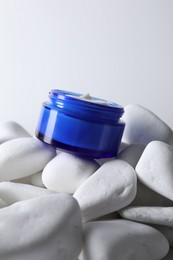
x=120 y=50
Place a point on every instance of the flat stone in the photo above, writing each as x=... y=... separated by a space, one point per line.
x=122 y=240
x=110 y=188
x=152 y=215
x=148 y=197
x=155 y=168
x=11 y=130
x=43 y=228
x=66 y=172
x=22 y=157
x=132 y=153
x=143 y=126
x=11 y=192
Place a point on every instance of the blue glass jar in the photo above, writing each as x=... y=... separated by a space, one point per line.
x=83 y=127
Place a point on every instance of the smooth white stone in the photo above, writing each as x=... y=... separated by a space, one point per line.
x=132 y=153
x=12 y=192
x=45 y=228
x=169 y=256
x=122 y=240
x=22 y=157
x=110 y=188
x=155 y=168
x=34 y=179
x=66 y=172
x=167 y=232
x=10 y=130
x=154 y=215
x=143 y=126
x=148 y=197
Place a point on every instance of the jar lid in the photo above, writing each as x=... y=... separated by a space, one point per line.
x=94 y=109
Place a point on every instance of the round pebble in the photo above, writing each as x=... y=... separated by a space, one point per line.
x=43 y=228
x=152 y=215
x=122 y=240
x=11 y=192
x=143 y=126
x=11 y=130
x=155 y=168
x=22 y=157
x=66 y=172
x=110 y=188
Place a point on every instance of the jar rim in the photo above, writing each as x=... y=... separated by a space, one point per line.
x=70 y=101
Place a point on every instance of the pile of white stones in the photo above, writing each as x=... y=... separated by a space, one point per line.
x=57 y=206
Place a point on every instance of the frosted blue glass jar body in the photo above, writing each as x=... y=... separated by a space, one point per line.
x=79 y=126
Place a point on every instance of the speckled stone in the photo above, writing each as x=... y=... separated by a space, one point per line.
x=152 y=215
x=43 y=228
x=155 y=168
x=66 y=172
x=122 y=240
x=110 y=188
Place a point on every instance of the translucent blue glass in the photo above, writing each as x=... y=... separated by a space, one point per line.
x=79 y=126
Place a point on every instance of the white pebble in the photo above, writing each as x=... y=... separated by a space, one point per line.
x=143 y=126
x=66 y=172
x=148 y=197
x=22 y=157
x=45 y=228
x=132 y=153
x=155 y=168
x=122 y=240
x=152 y=215
x=11 y=130
x=110 y=188
x=12 y=192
